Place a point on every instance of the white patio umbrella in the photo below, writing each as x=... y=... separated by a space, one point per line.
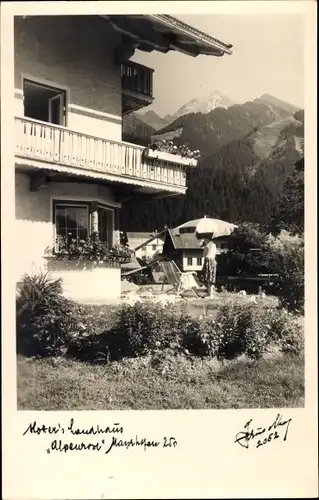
x=207 y=225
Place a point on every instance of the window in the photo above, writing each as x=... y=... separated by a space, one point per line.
x=72 y=221
x=105 y=224
x=189 y=261
x=154 y=248
x=144 y=248
x=45 y=103
x=199 y=261
x=186 y=230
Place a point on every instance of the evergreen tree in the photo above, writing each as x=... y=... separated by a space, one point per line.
x=289 y=214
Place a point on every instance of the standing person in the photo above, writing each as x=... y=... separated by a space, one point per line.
x=209 y=267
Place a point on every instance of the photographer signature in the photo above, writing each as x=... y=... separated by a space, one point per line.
x=263 y=435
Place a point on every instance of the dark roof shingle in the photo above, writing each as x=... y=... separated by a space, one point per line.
x=184 y=240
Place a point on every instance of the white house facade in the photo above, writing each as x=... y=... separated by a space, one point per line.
x=145 y=244
x=73 y=83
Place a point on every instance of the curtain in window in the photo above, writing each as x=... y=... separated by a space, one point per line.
x=105 y=222
x=72 y=222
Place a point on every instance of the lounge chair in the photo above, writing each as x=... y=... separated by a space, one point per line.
x=180 y=281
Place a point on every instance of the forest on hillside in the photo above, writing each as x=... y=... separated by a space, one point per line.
x=226 y=192
x=222 y=193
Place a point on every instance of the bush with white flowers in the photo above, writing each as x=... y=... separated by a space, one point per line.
x=169 y=146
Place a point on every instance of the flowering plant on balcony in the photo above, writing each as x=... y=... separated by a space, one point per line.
x=169 y=146
x=91 y=249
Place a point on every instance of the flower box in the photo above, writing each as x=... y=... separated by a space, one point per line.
x=170 y=157
x=92 y=249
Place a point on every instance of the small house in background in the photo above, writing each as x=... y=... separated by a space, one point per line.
x=182 y=246
x=146 y=245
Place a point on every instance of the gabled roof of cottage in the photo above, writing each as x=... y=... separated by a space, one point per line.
x=188 y=240
x=184 y=241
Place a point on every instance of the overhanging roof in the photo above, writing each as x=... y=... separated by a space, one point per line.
x=163 y=33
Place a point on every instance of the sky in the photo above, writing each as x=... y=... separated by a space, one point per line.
x=268 y=57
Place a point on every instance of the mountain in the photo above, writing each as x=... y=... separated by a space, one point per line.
x=209 y=132
x=215 y=99
x=267 y=139
x=271 y=100
x=280 y=140
x=136 y=130
x=265 y=156
x=152 y=119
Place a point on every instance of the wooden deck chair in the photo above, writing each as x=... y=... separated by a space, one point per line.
x=180 y=281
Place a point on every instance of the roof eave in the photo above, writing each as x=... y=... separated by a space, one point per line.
x=195 y=34
x=198 y=42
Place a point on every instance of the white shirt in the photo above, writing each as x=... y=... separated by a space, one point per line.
x=210 y=251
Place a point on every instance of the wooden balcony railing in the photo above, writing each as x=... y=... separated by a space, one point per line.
x=137 y=78
x=50 y=143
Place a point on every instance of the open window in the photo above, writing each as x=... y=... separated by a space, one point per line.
x=45 y=103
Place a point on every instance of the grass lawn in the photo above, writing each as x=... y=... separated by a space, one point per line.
x=173 y=383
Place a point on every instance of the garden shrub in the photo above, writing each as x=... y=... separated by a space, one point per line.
x=285 y=332
x=144 y=327
x=94 y=328
x=287 y=259
x=45 y=318
x=201 y=337
x=152 y=328
x=243 y=329
x=92 y=348
x=292 y=280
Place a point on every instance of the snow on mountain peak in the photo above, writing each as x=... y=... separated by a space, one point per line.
x=215 y=99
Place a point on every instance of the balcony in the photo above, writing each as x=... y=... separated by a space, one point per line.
x=44 y=146
x=137 y=86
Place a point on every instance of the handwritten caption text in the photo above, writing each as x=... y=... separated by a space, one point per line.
x=105 y=438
